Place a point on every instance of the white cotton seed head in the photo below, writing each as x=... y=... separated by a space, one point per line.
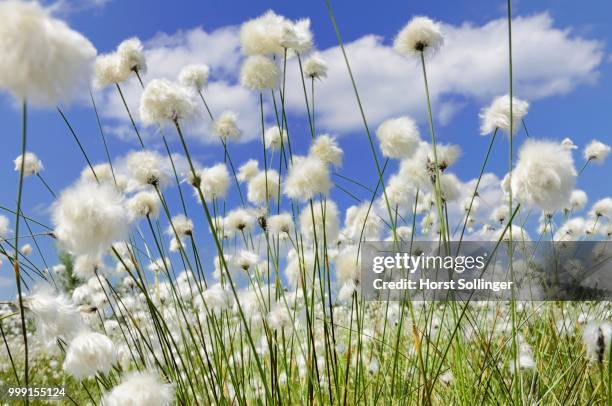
x=307 y=177
x=31 y=165
x=140 y=388
x=182 y=225
x=248 y=170
x=348 y=265
x=163 y=101
x=421 y=34
x=108 y=70
x=571 y=230
x=281 y=225
x=280 y=316
x=578 y=199
x=497 y=115
x=596 y=338
x=147 y=168
x=596 y=151
x=194 y=76
x=399 y=137
x=214 y=181
x=131 y=56
x=89 y=218
x=89 y=353
x=296 y=36
x=274 y=138
x=263 y=35
x=446 y=155
x=400 y=194
x=43 y=60
x=54 y=313
x=226 y=126
x=263 y=187
x=239 y=220
x=345 y=294
x=315 y=67
x=325 y=222
x=103 y=173
x=518 y=234
x=143 y=204
x=326 y=149
x=245 y=260
x=26 y=249
x=362 y=222
x=544 y=176
x=602 y=208
x=450 y=187
x=85 y=266
x=259 y=73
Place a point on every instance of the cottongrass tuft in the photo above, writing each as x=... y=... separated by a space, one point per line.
x=497 y=115
x=226 y=126
x=89 y=218
x=89 y=353
x=131 y=56
x=147 y=168
x=315 y=67
x=399 y=137
x=274 y=138
x=263 y=35
x=596 y=151
x=31 y=166
x=163 y=101
x=259 y=73
x=325 y=147
x=307 y=177
x=544 y=176
x=194 y=76
x=43 y=60
x=140 y=388
x=421 y=34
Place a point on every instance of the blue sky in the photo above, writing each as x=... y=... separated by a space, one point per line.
x=563 y=68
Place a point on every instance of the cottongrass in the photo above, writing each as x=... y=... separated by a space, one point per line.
x=153 y=302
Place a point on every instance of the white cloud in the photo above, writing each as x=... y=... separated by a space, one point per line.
x=65 y=7
x=472 y=66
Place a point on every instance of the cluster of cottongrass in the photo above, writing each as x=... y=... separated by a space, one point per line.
x=136 y=313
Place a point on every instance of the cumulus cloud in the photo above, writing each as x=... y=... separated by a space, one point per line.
x=473 y=65
x=471 y=68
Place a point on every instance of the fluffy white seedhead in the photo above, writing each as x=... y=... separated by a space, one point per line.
x=596 y=338
x=194 y=76
x=398 y=137
x=140 y=388
x=143 y=204
x=315 y=67
x=274 y=138
x=89 y=353
x=26 y=249
x=421 y=34
x=450 y=187
x=147 y=168
x=103 y=173
x=89 y=217
x=259 y=73
x=544 y=176
x=249 y=169
x=31 y=166
x=348 y=265
x=326 y=149
x=214 y=181
x=578 y=199
x=226 y=126
x=182 y=225
x=108 y=70
x=263 y=187
x=85 y=266
x=446 y=154
x=163 y=101
x=602 y=208
x=4 y=226
x=297 y=36
x=571 y=230
x=131 y=56
x=518 y=234
x=362 y=223
x=325 y=222
x=245 y=260
x=497 y=115
x=307 y=177
x=55 y=314
x=281 y=225
x=239 y=220
x=596 y=151
x=43 y=60
x=263 y=35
